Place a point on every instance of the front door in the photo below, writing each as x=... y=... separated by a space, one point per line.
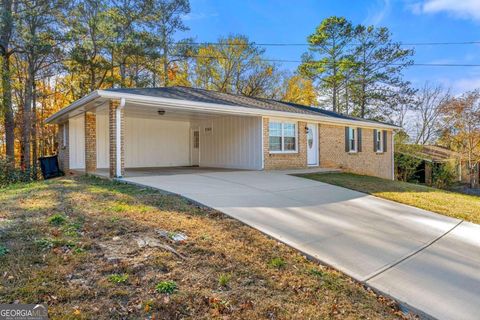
x=312 y=144
x=195 y=147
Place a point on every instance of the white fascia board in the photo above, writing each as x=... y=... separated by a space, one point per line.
x=76 y=104
x=232 y=109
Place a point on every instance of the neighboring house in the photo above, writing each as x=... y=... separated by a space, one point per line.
x=432 y=155
x=118 y=129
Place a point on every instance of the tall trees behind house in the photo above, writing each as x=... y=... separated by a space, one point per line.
x=53 y=52
x=330 y=45
x=428 y=106
x=37 y=28
x=235 y=65
x=358 y=69
x=6 y=51
x=461 y=129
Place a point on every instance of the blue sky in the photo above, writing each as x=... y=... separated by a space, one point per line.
x=291 y=21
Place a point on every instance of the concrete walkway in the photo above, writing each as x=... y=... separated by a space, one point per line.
x=428 y=262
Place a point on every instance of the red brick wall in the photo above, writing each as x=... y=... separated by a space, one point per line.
x=285 y=160
x=367 y=162
x=90 y=142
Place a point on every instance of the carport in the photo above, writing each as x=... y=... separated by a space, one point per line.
x=134 y=134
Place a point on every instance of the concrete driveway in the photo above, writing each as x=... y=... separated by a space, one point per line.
x=428 y=262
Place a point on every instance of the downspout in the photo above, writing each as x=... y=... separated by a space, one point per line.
x=393 y=155
x=118 y=126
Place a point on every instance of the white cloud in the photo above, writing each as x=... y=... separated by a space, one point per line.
x=199 y=15
x=465 y=9
x=461 y=85
x=376 y=16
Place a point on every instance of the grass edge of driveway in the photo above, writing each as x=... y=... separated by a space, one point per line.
x=448 y=203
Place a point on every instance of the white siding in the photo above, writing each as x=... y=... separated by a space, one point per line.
x=103 y=148
x=76 y=132
x=156 y=143
x=235 y=142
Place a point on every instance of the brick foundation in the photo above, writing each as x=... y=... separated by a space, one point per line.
x=90 y=142
x=285 y=160
x=112 y=120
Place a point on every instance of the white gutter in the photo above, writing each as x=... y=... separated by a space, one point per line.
x=214 y=107
x=118 y=134
x=76 y=104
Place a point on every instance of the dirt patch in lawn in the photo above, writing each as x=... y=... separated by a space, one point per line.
x=95 y=249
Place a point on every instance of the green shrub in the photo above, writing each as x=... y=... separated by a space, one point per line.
x=167 y=287
x=443 y=175
x=316 y=272
x=277 y=263
x=9 y=174
x=57 y=219
x=118 y=278
x=3 y=250
x=224 y=279
x=406 y=166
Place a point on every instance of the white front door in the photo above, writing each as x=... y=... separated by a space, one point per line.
x=195 y=147
x=312 y=144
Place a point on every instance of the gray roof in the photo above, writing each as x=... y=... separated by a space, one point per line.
x=209 y=96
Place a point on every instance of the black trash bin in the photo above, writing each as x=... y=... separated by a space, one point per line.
x=49 y=166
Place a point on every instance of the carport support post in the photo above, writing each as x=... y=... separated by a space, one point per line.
x=116 y=122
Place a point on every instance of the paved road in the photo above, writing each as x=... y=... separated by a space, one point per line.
x=429 y=262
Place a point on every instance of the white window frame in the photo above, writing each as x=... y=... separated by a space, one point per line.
x=355 y=140
x=379 y=146
x=282 y=123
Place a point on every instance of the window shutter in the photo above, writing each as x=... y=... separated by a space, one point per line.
x=374 y=140
x=359 y=139
x=384 y=140
x=347 y=148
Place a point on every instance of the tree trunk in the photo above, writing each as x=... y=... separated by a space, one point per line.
x=8 y=110
x=334 y=102
x=165 y=59
x=34 y=130
x=5 y=34
x=27 y=122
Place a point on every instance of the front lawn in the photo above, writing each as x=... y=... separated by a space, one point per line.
x=95 y=249
x=457 y=205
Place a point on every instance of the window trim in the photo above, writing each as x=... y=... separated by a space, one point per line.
x=282 y=146
x=379 y=140
x=355 y=139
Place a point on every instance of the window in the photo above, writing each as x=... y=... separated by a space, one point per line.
x=196 y=139
x=379 y=141
x=64 y=135
x=352 y=140
x=282 y=137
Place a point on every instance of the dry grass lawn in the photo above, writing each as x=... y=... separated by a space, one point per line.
x=95 y=249
x=456 y=205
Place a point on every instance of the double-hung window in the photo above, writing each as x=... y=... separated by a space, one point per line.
x=352 y=139
x=282 y=137
x=379 y=141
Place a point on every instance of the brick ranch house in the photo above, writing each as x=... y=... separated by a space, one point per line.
x=119 y=129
